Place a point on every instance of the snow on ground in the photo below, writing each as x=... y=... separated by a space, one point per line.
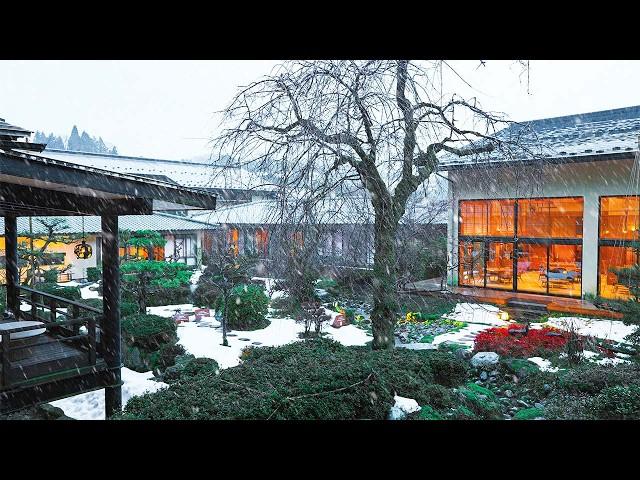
x=605 y=329
x=204 y=339
x=90 y=405
x=543 y=364
x=86 y=292
x=476 y=313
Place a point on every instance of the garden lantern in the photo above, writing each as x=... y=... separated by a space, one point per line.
x=83 y=250
x=502 y=315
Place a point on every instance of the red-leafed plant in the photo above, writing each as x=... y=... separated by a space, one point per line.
x=530 y=344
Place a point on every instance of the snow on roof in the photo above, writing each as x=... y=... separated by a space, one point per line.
x=161 y=222
x=185 y=173
x=583 y=136
x=265 y=212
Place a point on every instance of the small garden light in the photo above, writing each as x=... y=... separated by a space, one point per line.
x=502 y=315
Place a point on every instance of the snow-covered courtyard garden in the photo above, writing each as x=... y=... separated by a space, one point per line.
x=494 y=380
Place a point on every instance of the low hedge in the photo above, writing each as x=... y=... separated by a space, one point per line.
x=318 y=379
x=148 y=331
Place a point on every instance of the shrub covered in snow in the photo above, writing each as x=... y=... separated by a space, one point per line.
x=319 y=379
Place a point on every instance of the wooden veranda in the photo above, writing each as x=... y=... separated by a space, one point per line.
x=55 y=347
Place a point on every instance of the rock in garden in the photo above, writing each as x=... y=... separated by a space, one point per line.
x=485 y=360
x=546 y=387
x=508 y=393
x=483 y=376
x=538 y=405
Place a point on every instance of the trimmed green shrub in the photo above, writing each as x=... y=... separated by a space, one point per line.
x=51 y=275
x=247 y=308
x=149 y=342
x=70 y=293
x=94 y=274
x=126 y=309
x=318 y=379
x=207 y=292
x=148 y=331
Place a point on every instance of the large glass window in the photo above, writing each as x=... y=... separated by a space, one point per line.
x=611 y=259
x=618 y=244
x=550 y=218
x=549 y=246
x=619 y=218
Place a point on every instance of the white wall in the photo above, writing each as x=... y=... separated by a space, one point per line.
x=587 y=180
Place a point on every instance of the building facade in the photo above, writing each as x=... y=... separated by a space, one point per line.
x=558 y=222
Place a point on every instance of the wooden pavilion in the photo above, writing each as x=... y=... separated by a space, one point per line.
x=55 y=347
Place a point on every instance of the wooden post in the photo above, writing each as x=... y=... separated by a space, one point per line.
x=12 y=273
x=110 y=337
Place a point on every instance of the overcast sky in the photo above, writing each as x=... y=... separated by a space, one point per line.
x=167 y=109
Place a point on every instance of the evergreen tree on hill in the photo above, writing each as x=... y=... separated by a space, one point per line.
x=75 y=142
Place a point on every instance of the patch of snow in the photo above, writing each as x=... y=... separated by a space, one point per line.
x=203 y=341
x=601 y=328
x=479 y=313
x=403 y=407
x=544 y=364
x=90 y=405
x=86 y=292
x=611 y=361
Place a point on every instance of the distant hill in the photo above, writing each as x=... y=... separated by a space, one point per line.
x=75 y=142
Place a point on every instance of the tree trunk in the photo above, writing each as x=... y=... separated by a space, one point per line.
x=383 y=316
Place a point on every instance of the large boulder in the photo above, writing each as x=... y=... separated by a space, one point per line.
x=485 y=360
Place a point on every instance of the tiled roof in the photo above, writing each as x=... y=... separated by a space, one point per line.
x=184 y=173
x=161 y=222
x=8 y=130
x=580 y=137
x=266 y=212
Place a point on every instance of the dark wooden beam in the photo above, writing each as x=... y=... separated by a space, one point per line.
x=111 y=306
x=15 y=145
x=27 y=201
x=12 y=273
x=72 y=175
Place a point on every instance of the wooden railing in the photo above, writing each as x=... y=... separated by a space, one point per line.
x=63 y=320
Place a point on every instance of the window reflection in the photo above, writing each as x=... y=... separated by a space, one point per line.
x=612 y=258
x=500 y=265
x=471 y=266
x=619 y=217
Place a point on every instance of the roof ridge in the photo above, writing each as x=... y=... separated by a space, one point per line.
x=590 y=117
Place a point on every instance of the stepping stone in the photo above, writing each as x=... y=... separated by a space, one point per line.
x=256 y=343
x=244 y=339
x=230 y=334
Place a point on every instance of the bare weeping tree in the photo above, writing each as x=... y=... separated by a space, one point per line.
x=318 y=126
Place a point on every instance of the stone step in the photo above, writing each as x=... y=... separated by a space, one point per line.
x=527 y=306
